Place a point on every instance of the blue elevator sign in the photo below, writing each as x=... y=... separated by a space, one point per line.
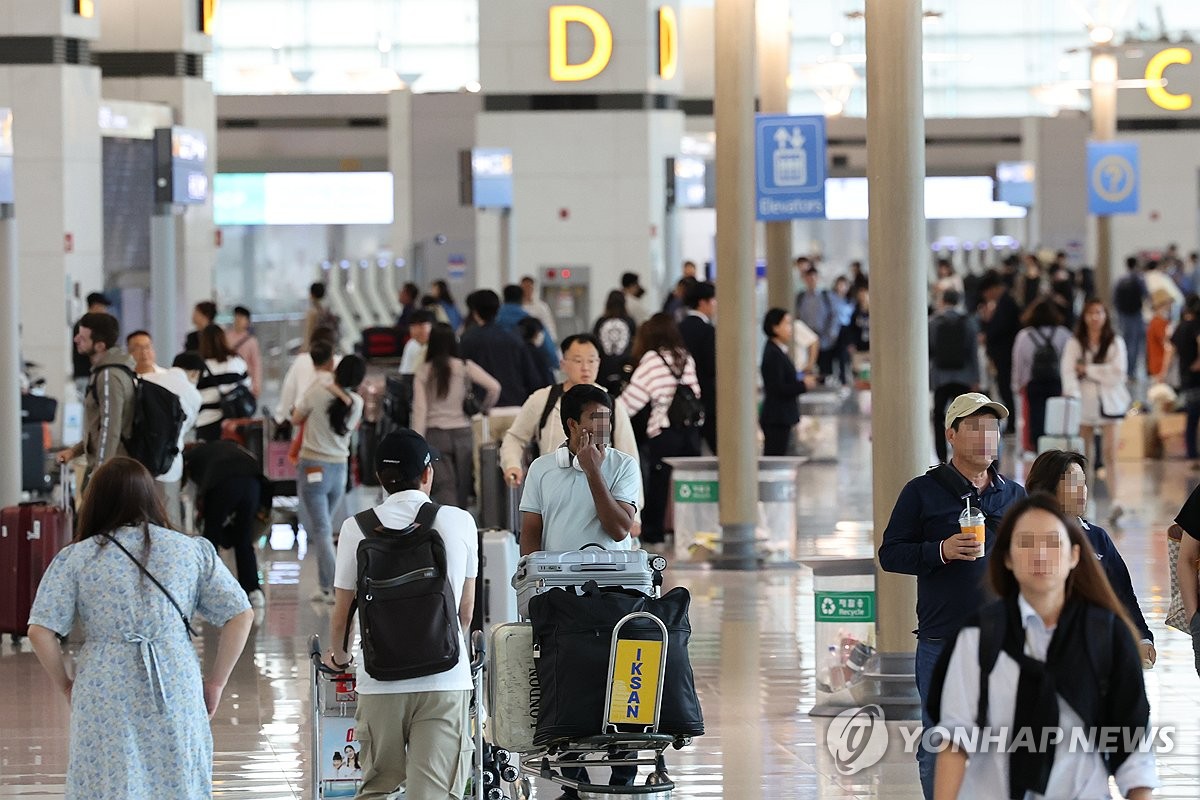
x=1112 y=169
x=789 y=167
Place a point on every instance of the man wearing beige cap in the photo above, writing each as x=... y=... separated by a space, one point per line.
x=924 y=538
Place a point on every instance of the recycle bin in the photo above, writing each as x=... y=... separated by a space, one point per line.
x=844 y=619
x=817 y=433
x=696 y=493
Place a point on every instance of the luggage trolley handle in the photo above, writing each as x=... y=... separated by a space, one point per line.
x=607 y=724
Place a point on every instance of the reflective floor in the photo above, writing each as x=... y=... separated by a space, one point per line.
x=752 y=651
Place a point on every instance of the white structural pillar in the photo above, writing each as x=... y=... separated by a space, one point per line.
x=900 y=368
x=54 y=93
x=774 y=67
x=10 y=359
x=153 y=51
x=736 y=333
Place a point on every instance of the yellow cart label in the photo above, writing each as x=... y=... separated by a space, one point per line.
x=635 y=682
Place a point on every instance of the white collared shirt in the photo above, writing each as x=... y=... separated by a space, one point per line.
x=1079 y=774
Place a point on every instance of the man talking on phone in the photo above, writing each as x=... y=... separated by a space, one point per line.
x=585 y=491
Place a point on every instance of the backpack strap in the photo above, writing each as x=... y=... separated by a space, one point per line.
x=991 y=641
x=427 y=514
x=677 y=375
x=133 y=376
x=368 y=522
x=941 y=475
x=556 y=392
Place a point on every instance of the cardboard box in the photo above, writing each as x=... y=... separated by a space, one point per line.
x=1138 y=438
x=1171 y=429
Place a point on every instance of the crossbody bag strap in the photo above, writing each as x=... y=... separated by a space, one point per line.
x=556 y=391
x=186 y=623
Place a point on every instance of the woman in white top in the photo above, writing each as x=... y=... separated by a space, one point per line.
x=226 y=375
x=330 y=412
x=1061 y=659
x=663 y=365
x=1093 y=370
x=440 y=386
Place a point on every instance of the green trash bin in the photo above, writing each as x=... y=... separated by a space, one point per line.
x=844 y=622
x=696 y=491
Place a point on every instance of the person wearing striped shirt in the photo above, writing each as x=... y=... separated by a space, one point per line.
x=663 y=364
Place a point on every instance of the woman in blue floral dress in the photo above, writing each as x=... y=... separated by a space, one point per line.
x=139 y=708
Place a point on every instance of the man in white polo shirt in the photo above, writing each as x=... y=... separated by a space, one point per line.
x=586 y=491
x=413 y=732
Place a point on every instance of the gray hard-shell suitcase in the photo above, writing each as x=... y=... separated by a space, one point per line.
x=543 y=570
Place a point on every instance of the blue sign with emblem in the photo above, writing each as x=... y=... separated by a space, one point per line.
x=1112 y=169
x=789 y=166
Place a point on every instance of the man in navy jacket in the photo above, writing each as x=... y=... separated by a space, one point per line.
x=923 y=537
x=700 y=338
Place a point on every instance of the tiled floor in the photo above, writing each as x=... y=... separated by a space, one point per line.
x=752 y=651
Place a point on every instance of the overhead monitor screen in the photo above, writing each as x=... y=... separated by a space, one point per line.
x=971 y=197
x=303 y=198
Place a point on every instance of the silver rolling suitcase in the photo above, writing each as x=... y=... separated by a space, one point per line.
x=495 y=599
x=542 y=571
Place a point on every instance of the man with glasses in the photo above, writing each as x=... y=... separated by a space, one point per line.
x=539 y=424
x=923 y=536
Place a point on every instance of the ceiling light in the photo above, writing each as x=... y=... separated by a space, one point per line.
x=1101 y=34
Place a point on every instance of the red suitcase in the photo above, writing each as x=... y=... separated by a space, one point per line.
x=31 y=534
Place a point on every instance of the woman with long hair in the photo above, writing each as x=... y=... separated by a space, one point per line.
x=1035 y=376
x=614 y=331
x=1093 y=370
x=226 y=378
x=1059 y=657
x=663 y=367
x=441 y=290
x=140 y=707
x=330 y=412
x=445 y=389
x=1062 y=474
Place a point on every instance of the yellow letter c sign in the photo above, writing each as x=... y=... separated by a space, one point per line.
x=668 y=43
x=1155 y=70
x=560 y=68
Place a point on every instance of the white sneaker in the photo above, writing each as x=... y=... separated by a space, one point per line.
x=321 y=596
x=257 y=599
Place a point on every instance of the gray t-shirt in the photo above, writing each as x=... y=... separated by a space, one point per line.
x=321 y=443
x=561 y=495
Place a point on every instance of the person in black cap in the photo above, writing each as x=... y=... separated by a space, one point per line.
x=412 y=731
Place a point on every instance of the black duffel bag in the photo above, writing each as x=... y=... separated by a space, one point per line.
x=574 y=633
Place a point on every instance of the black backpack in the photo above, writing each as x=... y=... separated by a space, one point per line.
x=410 y=625
x=1045 y=359
x=1128 y=295
x=950 y=346
x=157 y=422
x=686 y=410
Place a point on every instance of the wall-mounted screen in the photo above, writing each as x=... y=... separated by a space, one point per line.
x=181 y=166
x=6 y=155
x=492 y=177
x=303 y=198
x=971 y=197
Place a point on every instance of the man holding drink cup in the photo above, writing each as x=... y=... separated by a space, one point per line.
x=941 y=530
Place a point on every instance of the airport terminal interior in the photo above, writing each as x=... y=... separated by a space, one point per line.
x=168 y=161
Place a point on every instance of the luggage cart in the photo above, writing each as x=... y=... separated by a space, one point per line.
x=333 y=706
x=621 y=742
x=334 y=701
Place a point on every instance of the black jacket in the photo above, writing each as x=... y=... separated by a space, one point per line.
x=506 y=359
x=781 y=387
x=700 y=338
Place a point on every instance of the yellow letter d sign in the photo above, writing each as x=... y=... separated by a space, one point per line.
x=560 y=18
